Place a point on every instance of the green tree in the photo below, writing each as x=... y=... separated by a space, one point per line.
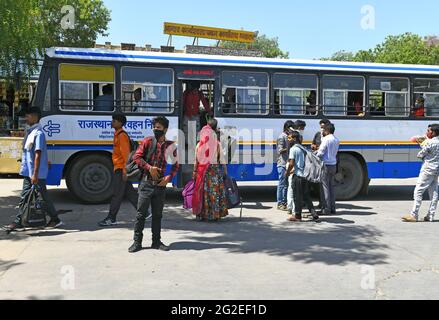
x=269 y=46
x=27 y=27
x=21 y=40
x=407 y=48
x=341 y=56
x=91 y=19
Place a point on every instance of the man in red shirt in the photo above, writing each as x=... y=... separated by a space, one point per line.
x=152 y=188
x=192 y=98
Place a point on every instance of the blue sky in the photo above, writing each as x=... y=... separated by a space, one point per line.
x=307 y=29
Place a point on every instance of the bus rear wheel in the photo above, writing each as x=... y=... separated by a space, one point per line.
x=349 y=179
x=89 y=179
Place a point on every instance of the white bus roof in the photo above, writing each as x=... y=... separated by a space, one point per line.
x=211 y=60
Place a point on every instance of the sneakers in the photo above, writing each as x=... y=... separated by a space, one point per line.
x=107 y=222
x=135 y=247
x=315 y=217
x=160 y=246
x=13 y=227
x=54 y=224
x=409 y=218
x=282 y=207
x=429 y=219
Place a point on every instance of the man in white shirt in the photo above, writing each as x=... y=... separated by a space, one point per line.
x=328 y=153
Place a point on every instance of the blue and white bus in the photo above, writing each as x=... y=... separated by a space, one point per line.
x=370 y=104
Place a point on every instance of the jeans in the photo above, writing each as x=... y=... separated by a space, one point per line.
x=154 y=196
x=328 y=185
x=426 y=181
x=121 y=189
x=290 y=196
x=301 y=194
x=282 y=187
x=27 y=186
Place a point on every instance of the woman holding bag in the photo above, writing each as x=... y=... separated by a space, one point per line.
x=209 y=200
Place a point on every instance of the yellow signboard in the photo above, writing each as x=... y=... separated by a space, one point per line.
x=209 y=33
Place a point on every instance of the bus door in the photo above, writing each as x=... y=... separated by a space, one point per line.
x=196 y=89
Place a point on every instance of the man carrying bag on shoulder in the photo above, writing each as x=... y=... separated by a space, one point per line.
x=152 y=189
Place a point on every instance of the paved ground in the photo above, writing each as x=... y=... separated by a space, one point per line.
x=262 y=257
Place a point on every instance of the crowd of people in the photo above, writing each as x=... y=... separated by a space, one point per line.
x=210 y=170
x=293 y=189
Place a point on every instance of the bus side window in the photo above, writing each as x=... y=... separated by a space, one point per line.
x=245 y=92
x=47 y=95
x=343 y=95
x=426 y=97
x=295 y=94
x=86 y=88
x=389 y=97
x=147 y=90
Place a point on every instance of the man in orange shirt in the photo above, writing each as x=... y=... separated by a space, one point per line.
x=121 y=186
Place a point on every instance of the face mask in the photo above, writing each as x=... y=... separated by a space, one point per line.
x=158 y=134
x=301 y=132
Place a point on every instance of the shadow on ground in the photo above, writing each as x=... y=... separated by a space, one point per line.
x=336 y=241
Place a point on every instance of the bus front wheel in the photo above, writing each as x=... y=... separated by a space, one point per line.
x=349 y=179
x=89 y=178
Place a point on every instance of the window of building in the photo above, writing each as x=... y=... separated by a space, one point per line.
x=389 y=97
x=86 y=88
x=147 y=90
x=245 y=92
x=343 y=95
x=426 y=97
x=295 y=94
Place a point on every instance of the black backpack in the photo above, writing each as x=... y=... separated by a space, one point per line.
x=134 y=173
x=133 y=144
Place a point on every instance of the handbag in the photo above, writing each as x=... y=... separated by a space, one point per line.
x=34 y=209
x=232 y=193
x=188 y=193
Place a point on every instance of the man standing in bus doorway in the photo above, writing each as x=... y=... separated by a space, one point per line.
x=34 y=169
x=121 y=186
x=328 y=153
x=152 y=189
x=283 y=147
x=192 y=98
x=428 y=177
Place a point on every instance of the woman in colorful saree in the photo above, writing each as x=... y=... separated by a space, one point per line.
x=209 y=199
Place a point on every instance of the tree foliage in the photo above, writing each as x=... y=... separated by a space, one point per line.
x=27 y=27
x=407 y=48
x=269 y=46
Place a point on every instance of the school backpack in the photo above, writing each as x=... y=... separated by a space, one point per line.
x=134 y=173
x=232 y=194
x=34 y=209
x=134 y=145
x=187 y=193
x=314 y=167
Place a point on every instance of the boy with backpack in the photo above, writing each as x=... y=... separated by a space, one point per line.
x=122 y=147
x=299 y=182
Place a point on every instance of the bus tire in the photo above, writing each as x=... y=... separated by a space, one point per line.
x=349 y=180
x=89 y=178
